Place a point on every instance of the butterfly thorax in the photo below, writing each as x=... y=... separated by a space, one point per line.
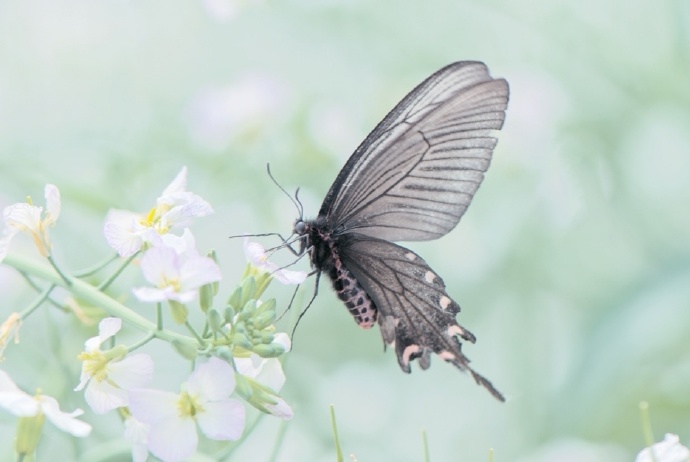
x=321 y=244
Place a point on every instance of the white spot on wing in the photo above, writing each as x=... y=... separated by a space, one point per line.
x=444 y=302
x=429 y=277
x=410 y=256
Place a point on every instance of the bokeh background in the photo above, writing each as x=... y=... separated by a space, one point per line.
x=572 y=265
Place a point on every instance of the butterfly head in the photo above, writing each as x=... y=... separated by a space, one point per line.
x=302 y=229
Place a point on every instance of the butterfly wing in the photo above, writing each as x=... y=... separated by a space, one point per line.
x=416 y=315
x=415 y=174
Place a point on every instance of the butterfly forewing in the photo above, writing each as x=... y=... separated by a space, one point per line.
x=414 y=176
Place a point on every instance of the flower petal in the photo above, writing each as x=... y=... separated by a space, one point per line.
x=199 y=271
x=23 y=217
x=123 y=241
x=669 y=450
x=222 y=420
x=283 y=340
x=255 y=253
x=5 y=243
x=173 y=440
x=133 y=371
x=153 y=406
x=83 y=378
x=188 y=206
x=108 y=327
x=160 y=265
x=52 y=194
x=15 y=400
x=137 y=434
x=213 y=380
x=66 y=422
x=151 y=294
x=281 y=409
x=179 y=184
x=103 y=397
x=286 y=276
x=271 y=374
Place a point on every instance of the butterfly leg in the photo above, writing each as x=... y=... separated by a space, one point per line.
x=316 y=292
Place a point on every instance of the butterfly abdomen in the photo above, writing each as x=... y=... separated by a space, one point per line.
x=355 y=298
x=325 y=258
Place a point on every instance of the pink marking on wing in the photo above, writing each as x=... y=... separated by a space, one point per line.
x=409 y=351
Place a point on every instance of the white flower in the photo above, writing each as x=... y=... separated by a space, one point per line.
x=22 y=404
x=176 y=271
x=204 y=400
x=268 y=372
x=137 y=433
x=110 y=374
x=255 y=253
x=669 y=450
x=28 y=218
x=127 y=232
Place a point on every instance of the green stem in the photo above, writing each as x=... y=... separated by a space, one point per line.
x=338 y=449
x=647 y=428
x=105 y=284
x=67 y=280
x=425 y=446
x=195 y=333
x=92 y=295
x=37 y=288
x=159 y=316
x=95 y=268
x=491 y=454
x=142 y=342
x=39 y=301
x=279 y=441
x=248 y=431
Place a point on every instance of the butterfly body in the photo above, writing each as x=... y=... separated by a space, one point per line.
x=325 y=257
x=411 y=179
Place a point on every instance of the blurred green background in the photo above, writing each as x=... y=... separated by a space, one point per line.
x=572 y=265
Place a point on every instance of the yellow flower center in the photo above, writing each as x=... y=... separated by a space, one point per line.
x=188 y=405
x=95 y=364
x=153 y=219
x=173 y=282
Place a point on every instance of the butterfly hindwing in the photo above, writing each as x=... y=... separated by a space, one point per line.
x=415 y=314
x=415 y=174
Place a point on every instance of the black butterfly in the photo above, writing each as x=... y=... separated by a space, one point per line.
x=410 y=180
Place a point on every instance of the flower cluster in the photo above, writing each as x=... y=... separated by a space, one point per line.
x=236 y=352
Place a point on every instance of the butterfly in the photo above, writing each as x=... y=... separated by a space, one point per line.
x=411 y=179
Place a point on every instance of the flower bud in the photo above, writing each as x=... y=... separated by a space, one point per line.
x=186 y=350
x=179 y=311
x=215 y=322
x=28 y=434
x=272 y=350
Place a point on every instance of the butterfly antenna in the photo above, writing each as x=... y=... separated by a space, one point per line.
x=297 y=205
x=301 y=206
